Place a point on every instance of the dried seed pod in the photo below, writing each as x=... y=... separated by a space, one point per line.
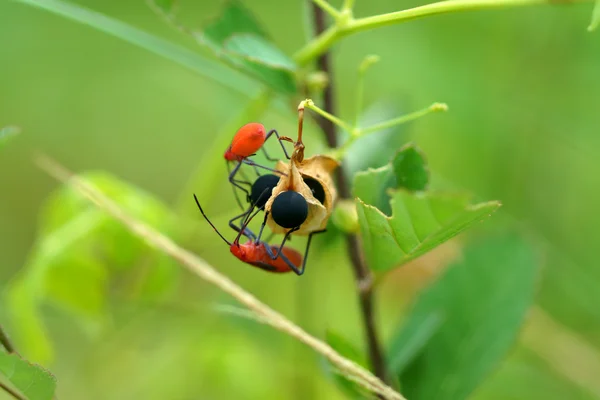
x=312 y=179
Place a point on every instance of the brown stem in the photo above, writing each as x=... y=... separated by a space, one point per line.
x=361 y=271
x=7 y=344
x=11 y=392
x=5 y=341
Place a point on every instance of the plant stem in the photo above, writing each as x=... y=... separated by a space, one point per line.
x=348 y=5
x=6 y=342
x=402 y=119
x=200 y=268
x=323 y=63
x=350 y=25
x=11 y=392
x=328 y=8
x=10 y=348
x=361 y=271
x=329 y=117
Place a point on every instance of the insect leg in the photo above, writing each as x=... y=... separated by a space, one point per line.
x=271 y=132
x=285 y=238
x=250 y=162
x=236 y=183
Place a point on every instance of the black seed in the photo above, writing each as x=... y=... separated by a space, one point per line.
x=316 y=189
x=289 y=209
x=262 y=188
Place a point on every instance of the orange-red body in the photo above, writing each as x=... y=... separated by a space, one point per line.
x=247 y=141
x=256 y=255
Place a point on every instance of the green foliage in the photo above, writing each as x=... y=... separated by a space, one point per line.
x=238 y=39
x=165 y=6
x=407 y=169
x=31 y=380
x=482 y=301
x=410 y=168
x=168 y=50
x=419 y=221
x=348 y=350
x=8 y=133
x=595 y=17
x=78 y=251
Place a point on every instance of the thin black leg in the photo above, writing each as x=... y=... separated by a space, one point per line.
x=298 y=271
x=247 y=232
x=271 y=132
x=262 y=227
x=235 y=184
x=285 y=238
x=252 y=163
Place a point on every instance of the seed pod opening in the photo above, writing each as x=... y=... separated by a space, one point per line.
x=318 y=171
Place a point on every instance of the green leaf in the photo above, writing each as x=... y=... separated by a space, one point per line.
x=372 y=187
x=419 y=223
x=168 y=50
x=79 y=252
x=407 y=169
x=8 y=133
x=483 y=301
x=234 y=18
x=165 y=6
x=257 y=49
x=239 y=40
x=31 y=380
x=349 y=351
x=407 y=345
x=410 y=168
x=595 y=17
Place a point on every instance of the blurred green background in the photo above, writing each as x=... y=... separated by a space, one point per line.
x=523 y=86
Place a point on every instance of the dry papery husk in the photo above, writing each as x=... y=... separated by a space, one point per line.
x=318 y=167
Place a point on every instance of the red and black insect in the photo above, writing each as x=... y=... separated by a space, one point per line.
x=258 y=253
x=290 y=209
x=246 y=143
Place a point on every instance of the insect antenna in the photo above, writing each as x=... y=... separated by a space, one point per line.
x=210 y=223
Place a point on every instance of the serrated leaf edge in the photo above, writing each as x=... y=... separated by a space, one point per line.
x=468 y=207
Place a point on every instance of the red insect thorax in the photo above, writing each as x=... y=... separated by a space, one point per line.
x=247 y=141
x=256 y=255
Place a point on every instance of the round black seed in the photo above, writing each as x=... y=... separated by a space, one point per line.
x=289 y=209
x=262 y=188
x=316 y=189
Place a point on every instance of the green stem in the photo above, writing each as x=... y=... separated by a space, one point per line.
x=348 y=5
x=328 y=8
x=356 y=134
x=317 y=46
x=347 y=26
x=360 y=87
x=328 y=116
x=401 y=120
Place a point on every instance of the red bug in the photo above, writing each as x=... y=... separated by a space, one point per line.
x=258 y=253
x=247 y=141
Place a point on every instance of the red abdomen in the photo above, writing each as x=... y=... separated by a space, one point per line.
x=247 y=141
x=278 y=265
x=257 y=256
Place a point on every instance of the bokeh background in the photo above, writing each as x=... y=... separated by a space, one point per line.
x=523 y=86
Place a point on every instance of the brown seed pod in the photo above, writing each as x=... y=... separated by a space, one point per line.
x=317 y=168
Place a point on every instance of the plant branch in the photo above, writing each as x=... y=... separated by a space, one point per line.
x=10 y=348
x=328 y=8
x=206 y=272
x=402 y=119
x=349 y=25
x=6 y=342
x=323 y=64
x=361 y=271
x=11 y=392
